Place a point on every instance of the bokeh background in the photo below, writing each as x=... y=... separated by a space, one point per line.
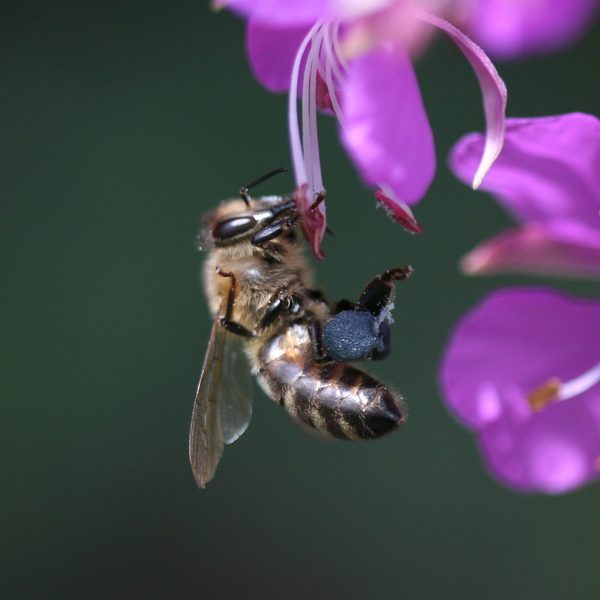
x=121 y=123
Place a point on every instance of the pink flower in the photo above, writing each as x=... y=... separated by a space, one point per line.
x=352 y=58
x=522 y=370
x=516 y=28
x=548 y=178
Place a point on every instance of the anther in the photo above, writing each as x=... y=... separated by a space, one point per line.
x=544 y=395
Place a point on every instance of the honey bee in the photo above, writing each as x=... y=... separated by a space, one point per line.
x=260 y=292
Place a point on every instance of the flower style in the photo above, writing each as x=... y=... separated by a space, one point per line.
x=352 y=58
x=548 y=178
x=522 y=370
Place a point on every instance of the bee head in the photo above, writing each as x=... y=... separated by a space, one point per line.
x=234 y=221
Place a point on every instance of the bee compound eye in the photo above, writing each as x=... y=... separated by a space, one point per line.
x=233 y=227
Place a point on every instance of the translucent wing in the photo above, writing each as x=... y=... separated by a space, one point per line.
x=222 y=408
x=236 y=391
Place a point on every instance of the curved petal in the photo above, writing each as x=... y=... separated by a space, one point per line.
x=303 y=12
x=549 y=167
x=492 y=88
x=279 y=12
x=554 y=452
x=271 y=51
x=562 y=248
x=398 y=211
x=510 y=344
x=385 y=127
x=515 y=29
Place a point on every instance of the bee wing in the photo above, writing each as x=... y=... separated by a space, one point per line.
x=222 y=409
x=236 y=391
x=206 y=438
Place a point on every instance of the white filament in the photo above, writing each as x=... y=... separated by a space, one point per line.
x=310 y=140
x=321 y=51
x=331 y=65
x=580 y=384
x=295 y=143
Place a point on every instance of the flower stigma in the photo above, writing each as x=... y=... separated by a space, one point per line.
x=556 y=391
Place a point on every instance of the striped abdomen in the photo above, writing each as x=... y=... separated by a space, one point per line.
x=335 y=398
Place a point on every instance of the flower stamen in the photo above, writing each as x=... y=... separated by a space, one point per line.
x=556 y=391
x=544 y=395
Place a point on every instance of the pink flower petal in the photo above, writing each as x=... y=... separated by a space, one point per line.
x=549 y=168
x=492 y=88
x=553 y=452
x=385 y=128
x=301 y=12
x=562 y=248
x=280 y=12
x=504 y=349
x=271 y=50
x=516 y=339
x=514 y=29
x=398 y=211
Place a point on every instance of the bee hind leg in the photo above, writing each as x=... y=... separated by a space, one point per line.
x=315 y=332
x=378 y=292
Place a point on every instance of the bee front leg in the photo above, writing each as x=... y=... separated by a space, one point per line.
x=275 y=229
x=225 y=320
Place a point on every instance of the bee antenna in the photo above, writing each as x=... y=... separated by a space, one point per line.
x=244 y=189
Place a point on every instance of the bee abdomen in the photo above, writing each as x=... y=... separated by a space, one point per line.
x=335 y=398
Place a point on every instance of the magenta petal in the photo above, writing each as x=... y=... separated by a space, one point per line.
x=301 y=12
x=549 y=168
x=562 y=248
x=509 y=345
x=513 y=342
x=280 y=12
x=271 y=51
x=493 y=91
x=398 y=211
x=555 y=451
x=512 y=29
x=385 y=128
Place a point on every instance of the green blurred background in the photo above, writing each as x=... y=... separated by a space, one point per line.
x=123 y=122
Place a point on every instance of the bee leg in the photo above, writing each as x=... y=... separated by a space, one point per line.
x=278 y=306
x=385 y=345
x=315 y=296
x=316 y=337
x=225 y=320
x=344 y=304
x=274 y=230
x=376 y=295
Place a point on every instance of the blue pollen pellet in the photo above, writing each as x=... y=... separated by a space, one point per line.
x=350 y=335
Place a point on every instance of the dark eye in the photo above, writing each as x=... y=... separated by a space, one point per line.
x=233 y=227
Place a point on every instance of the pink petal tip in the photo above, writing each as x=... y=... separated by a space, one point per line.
x=399 y=213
